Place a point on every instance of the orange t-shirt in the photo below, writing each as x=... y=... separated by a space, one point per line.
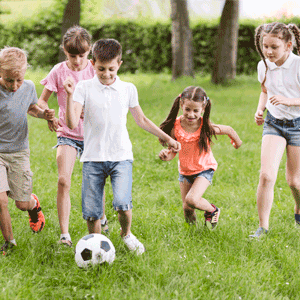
x=191 y=161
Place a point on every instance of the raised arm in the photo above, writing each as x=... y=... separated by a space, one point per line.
x=143 y=122
x=227 y=130
x=73 y=109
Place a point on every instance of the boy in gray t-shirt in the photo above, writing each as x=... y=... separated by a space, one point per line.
x=17 y=98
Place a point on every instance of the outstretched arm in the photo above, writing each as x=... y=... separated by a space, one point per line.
x=149 y=126
x=227 y=130
x=73 y=109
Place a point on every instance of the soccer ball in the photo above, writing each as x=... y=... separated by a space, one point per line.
x=94 y=249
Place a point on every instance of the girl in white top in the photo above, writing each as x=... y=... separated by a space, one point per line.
x=279 y=75
x=76 y=46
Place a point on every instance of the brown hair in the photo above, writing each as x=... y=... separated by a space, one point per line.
x=106 y=50
x=282 y=31
x=13 y=58
x=76 y=40
x=196 y=94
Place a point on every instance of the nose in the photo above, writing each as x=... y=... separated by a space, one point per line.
x=14 y=85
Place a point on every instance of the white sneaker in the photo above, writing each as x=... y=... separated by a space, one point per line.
x=133 y=244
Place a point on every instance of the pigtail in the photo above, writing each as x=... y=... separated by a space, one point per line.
x=207 y=130
x=258 y=32
x=169 y=122
x=296 y=32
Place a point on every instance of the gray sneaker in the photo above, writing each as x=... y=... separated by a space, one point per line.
x=259 y=232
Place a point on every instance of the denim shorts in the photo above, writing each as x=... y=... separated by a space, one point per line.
x=94 y=175
x=288 y=129
x=208 y=174
x=78 y=145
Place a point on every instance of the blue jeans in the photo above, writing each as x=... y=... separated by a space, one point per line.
x=288 y=129
x=94 y=175
x=208 y=174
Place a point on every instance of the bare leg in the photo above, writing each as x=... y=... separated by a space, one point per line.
x=191 y=195
x=5 y=220
x=94 y=226
x=125 y=218
x=66 y=156
x=271 y=153
x=293 y=173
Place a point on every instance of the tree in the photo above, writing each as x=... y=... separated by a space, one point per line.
x=226 y=44
x=182 y=53
x=71 y=17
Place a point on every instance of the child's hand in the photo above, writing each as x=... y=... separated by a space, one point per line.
x=54 y=124
x=277 y=99
x=259 y=117
x=236 y=143
x=49 y=114
x=166 y=154
x=174 y=145
x=69 y=85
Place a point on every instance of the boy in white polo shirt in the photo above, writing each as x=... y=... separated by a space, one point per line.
x=107 y=147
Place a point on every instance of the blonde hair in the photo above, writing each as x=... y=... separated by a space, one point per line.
x=13 y=58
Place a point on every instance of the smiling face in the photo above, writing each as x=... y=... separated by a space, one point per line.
x=275 y=49
x=12 y=80
x=192 y=111
x=106 y=71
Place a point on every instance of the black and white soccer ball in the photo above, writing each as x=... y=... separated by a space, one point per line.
x=94 y=249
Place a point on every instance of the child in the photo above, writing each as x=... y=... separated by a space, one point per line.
x=108 y=150
x=196 y=162
x=17 y=98
x=76 y=46
x=279 y=75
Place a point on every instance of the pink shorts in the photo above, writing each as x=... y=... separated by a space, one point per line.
x=15 y=175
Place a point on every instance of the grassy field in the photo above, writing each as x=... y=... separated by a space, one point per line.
x=181 y=261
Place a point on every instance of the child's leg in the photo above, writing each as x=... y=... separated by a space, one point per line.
x=293 y=174
x=94 y=226
x=66 y=156
x=5 y=220
x=271 y=153
x=192 y=198
x=125 y=218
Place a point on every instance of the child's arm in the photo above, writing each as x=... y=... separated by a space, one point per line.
x=223 y=129
x=149 y=126
x=263 y=98
x=73 y=109
x=166 y=154
x=37 y=112
x=43 y=103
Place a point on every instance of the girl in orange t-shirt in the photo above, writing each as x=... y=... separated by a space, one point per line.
x=196 y=162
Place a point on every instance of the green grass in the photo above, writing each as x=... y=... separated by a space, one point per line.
x=181 y=261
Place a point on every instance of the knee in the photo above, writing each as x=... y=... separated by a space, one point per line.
x=188 y=203
x=22 y=205
x=64 y=182
x=293 y=182
x=266 y=179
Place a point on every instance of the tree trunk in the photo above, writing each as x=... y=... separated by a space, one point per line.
x=71 y=17
x=226 y=44
x=182 y=52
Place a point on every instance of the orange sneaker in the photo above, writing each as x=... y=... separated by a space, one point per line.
x=36 y=217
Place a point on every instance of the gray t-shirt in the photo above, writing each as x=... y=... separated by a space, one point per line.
x=13 y=116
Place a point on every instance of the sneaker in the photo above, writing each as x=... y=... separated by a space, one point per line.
x=259 y=232
x=211 y=219
x=7 y=246
x=133 y=244
x=104 y=227
x=65 y=241
x=36 y=217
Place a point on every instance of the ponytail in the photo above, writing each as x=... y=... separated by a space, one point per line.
x=169 y=122
x=296 y=33
x=207 y=130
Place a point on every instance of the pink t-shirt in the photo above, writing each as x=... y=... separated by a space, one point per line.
x=54 y=82
x=191 y=161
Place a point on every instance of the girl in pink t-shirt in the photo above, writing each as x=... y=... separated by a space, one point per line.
x=76 y=46
x=196 y=161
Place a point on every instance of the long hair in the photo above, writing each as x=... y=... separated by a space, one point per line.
x=282 y=31
x=196 y=94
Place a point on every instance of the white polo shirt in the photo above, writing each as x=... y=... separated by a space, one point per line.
x=105 y=116
x=284 y=81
